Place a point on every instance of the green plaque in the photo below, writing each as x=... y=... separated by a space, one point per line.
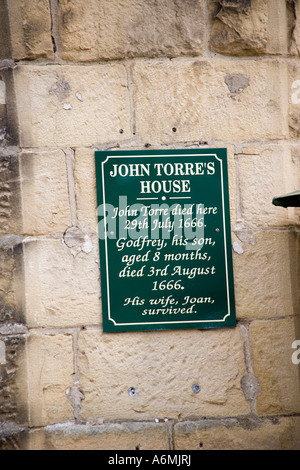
x=164 y=238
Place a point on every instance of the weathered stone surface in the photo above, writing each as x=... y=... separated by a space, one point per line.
x=135 y=28
x=232 y=183
x=198 y=105
x=265 y=274
x=12 y=436
x=248 y=27
x=10 y=203
x=28 y=29
x=12 y=348
x=48 y=375
x=63 y=106
x=8 y=123
x=265 y=172
x=85 y=184
x=3 y=114
x=61 y=283
x=294 y=26
x=294 y=99
x=12 y=340
x=11 y=280
x=124 y=436
x=5 y=45
x=162 y=367
x=233 y=434
x=271 y=344
x=45 y=198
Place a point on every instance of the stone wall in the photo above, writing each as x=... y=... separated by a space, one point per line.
x=77 y=76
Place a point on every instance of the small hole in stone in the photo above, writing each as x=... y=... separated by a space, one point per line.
x=121 y=131
x=132 y=392
x=174 y=129
x=200 y=444
x=138 y=448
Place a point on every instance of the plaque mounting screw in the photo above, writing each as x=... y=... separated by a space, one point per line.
x=132 y=392
x=196 y=388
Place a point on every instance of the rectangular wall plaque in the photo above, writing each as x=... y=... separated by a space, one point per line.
x=164 y=238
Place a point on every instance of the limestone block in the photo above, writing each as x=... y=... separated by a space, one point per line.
x=49 y=374
x=28 y=25
x=265 y=274
x=232 y=434
x=271 y=344
x=45 y=196
x=109 y=29
x=195 y=100
x=248 y=27
x=85 y=184
x=151 y=375
x=124 y=436
x=63 y=106
x=265 y=172
x=62 y=285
